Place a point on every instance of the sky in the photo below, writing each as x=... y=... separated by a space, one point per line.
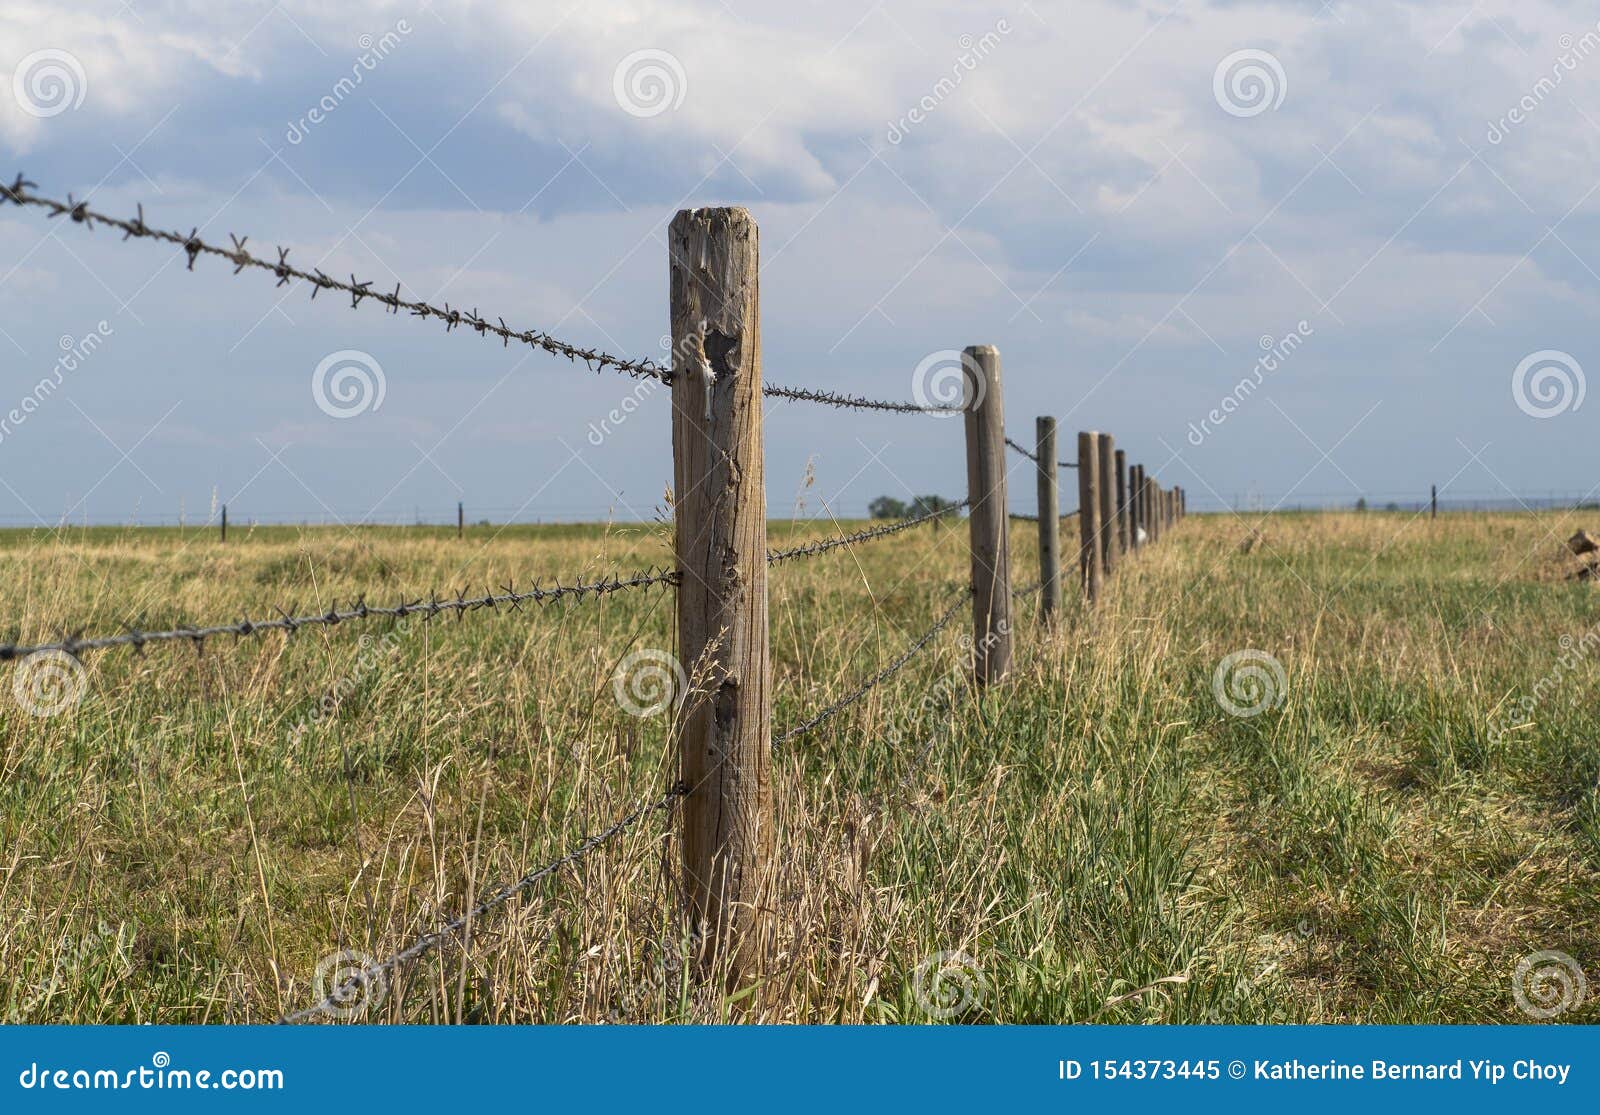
x=1285 y=252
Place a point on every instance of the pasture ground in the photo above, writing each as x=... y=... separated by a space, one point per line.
x=1095 y=830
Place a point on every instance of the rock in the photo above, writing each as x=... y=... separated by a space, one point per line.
x=1583 y=543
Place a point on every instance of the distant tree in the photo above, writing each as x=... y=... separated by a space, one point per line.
x=1391 y=507
x=1361 y=504
x=886 y=507
x=928 y=505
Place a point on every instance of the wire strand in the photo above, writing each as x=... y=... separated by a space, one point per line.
x=348 y=991
x=811 y=549
x=426 y=608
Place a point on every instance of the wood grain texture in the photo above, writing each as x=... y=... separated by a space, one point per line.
x=1108 y=504
x=725 y=732
x=1091 y=569
x=987 y=517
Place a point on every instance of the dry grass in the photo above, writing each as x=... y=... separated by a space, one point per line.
x=174 y=851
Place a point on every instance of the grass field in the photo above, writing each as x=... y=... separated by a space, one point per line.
x=1097 y=835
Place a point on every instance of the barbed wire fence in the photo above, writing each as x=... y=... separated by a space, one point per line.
x=1121 y=509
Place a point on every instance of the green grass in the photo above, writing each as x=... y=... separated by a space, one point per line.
x=1096 y=835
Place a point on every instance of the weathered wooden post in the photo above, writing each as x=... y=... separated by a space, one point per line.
x=224 y=535
x=1049 y=517
x=986 y=516
x=461 y=519
x=1153 y=496
x=1124 y=541
x=1091 y=567
x=720 y=508
x=1108 y=504
x=1135 y=505
x=1433 y=501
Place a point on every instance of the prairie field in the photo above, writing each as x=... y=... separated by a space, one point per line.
x=1096 y=837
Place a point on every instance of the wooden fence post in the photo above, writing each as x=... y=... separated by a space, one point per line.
x=1155 y=510
x=1090 y=565
x=461 y=519
x=1124 y=538
x=1135 y=504
x=987 y=516
x=1433 y=501
x=1049 y=517
x=720 y=508
x=1108 y=504
x=224 y=536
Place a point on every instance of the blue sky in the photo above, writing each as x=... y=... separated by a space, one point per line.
x=1133 y=201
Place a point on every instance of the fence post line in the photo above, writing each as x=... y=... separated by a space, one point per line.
x=720 y=510
x=987 y=517
x=224 y=537
x=1049 y=517
x=1124 y=536
x=1108 y=504
x=1090 y=565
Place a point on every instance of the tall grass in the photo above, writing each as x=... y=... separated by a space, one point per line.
x=1094 y=838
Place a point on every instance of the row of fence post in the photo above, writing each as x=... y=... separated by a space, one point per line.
x=724 y=731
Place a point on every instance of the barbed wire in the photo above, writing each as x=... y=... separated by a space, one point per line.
x=348 y=991
x=194 y=246
x=837 y=399
x=1018 y=515
x=428 y=608
x=811 y=549
x=881 y=676
x=1034 y=457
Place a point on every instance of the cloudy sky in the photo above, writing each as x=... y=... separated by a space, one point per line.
x=1134 y=201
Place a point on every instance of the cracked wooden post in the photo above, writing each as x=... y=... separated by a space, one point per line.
x=1091 y=568
x=987 y=516
x=1123 y=534
x=720 y=511
x=1049 y=518
x=1108 y=504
